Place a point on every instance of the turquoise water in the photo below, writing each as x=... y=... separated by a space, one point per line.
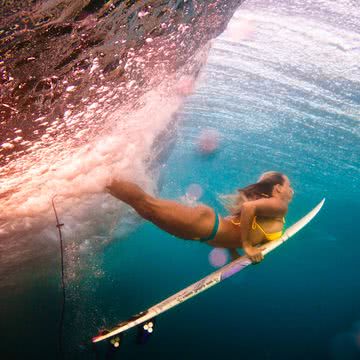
x=302 y=302
x=290 y=105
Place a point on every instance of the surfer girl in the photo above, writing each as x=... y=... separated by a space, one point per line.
x=257 y=214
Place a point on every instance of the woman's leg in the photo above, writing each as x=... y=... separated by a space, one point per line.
x=177 y=219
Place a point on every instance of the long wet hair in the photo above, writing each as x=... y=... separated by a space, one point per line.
x=263 y=188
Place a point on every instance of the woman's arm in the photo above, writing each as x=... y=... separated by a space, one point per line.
x=272 y=207
x=264 y=207
x=246 y=218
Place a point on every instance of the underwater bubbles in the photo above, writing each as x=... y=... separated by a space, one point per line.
x=194 y=191
x=192 y=195
x=240 y=30
x=218 y=257
x=208 y=141
x=185 y=86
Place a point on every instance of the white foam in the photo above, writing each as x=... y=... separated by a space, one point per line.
x=78 y=176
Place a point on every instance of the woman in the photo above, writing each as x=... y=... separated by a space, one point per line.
x=257 y=214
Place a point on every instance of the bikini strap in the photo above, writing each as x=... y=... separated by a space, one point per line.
x=253 y=225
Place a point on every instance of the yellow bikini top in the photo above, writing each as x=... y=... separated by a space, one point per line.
x=268 y=236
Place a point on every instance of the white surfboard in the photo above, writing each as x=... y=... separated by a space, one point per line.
x=205 y=283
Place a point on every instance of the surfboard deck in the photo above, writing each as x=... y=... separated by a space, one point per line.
x=206 y=282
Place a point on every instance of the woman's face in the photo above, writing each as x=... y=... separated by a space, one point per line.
x=286 y=189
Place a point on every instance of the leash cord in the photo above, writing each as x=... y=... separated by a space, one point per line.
x=61 y=323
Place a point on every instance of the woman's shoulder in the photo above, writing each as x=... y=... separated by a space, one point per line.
x=268 y=207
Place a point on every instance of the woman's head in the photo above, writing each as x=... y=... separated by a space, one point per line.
x=269 y=184
x=278 y=185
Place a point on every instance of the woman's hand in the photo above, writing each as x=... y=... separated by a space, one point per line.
x=254 y=254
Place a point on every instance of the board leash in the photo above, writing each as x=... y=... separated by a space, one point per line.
x=61 y=323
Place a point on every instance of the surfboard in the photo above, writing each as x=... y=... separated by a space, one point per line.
x=205 y=283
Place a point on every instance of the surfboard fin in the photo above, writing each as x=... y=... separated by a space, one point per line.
x=145 y=330
x=116 y=341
